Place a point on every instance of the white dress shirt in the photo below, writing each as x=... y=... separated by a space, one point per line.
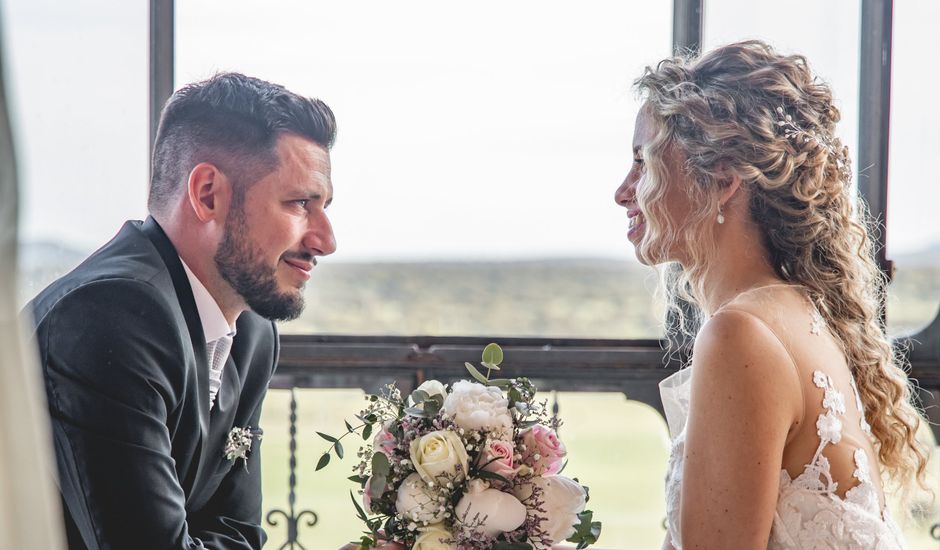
x=216 y=329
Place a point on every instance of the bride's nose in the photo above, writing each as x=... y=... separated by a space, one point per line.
x=626 y=193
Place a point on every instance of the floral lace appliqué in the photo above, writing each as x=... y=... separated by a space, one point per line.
x=810 y=514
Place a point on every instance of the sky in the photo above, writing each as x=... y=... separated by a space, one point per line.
x=495 y=129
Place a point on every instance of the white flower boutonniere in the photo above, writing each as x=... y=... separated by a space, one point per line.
x=239 y=442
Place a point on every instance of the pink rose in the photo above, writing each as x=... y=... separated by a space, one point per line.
x=384 y=441
x=366 y=497
x=543 y=450
x=497 y=458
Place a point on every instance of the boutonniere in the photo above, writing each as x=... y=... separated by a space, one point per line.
x=239 y=442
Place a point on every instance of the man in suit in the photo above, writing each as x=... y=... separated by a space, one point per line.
x=158 y=349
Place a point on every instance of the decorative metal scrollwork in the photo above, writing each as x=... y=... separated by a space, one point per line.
x=292 y=519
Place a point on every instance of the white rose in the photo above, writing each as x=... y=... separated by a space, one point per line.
x=492 y=510
x=434 y=537
x=432 y=388
x=440 y=454
x=562 y=500
x=416 y=502
x=478 y=407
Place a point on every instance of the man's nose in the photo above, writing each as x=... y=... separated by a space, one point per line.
x=319 y=237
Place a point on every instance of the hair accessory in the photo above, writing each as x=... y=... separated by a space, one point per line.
x=794 y=132
x=791 y=130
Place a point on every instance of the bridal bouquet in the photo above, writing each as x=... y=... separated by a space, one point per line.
x=471 y=467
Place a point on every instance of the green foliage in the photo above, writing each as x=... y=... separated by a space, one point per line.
x=587 y=531
x=492 y=355
x=329 y=438
x=477 y=375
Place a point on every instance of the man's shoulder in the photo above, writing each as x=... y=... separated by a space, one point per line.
x=125 y=269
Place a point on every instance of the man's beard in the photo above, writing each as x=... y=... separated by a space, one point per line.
x=243 y=268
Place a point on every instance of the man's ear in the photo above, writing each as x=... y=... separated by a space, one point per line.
x=207 y=189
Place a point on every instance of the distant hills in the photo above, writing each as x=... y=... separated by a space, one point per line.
x=577 y=298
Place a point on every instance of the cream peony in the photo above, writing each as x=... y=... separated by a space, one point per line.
x=562 y=499
x=478 y=407
x=417 y=503
x=434 y=537
x=440 y=456
x=492 y=510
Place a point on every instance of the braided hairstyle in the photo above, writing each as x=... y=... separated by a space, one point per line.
x=744 y=110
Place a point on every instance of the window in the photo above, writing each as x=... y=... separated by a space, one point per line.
x=477 y=157
x=78 y=84
x=829 y=40
x=913 y=233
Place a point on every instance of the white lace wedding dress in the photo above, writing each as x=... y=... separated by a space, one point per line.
x=810 y=514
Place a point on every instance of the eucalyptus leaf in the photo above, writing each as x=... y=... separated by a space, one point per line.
x=359 y=511
x=492 y=353
x=419 y=396
x=417 y=411
x=377 y=486
x=324 y=460
x=512 y=546
x=380 y=465
x=587 y=531
x=432 y=407
x=339 y=450
x=329 y=438
x=476 y=374
x=491 y=366
x=348 y=426
x=357 y=479
x=366 y=432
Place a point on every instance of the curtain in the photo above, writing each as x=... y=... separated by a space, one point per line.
x=30 y=514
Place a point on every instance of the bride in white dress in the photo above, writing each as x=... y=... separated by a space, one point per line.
x=793 y=409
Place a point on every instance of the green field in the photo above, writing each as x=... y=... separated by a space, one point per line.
x=623 y=462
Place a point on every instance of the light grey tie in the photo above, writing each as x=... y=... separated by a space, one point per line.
x=218 y=354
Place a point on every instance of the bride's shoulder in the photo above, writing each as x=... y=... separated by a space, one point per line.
x=737 y=350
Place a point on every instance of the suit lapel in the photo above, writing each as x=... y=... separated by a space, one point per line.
x=184 y=293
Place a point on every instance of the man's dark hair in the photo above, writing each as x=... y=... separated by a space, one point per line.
x=232 y=121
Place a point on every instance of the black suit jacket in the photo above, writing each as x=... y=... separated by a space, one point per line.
x=139 y=454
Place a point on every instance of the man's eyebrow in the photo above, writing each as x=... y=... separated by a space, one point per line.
x=329 y=201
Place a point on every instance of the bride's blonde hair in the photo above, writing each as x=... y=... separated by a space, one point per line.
x=743 y=110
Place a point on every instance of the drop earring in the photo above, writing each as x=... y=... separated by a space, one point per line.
x=721 y=216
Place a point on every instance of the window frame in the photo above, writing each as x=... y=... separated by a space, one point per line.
x=631 y=366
